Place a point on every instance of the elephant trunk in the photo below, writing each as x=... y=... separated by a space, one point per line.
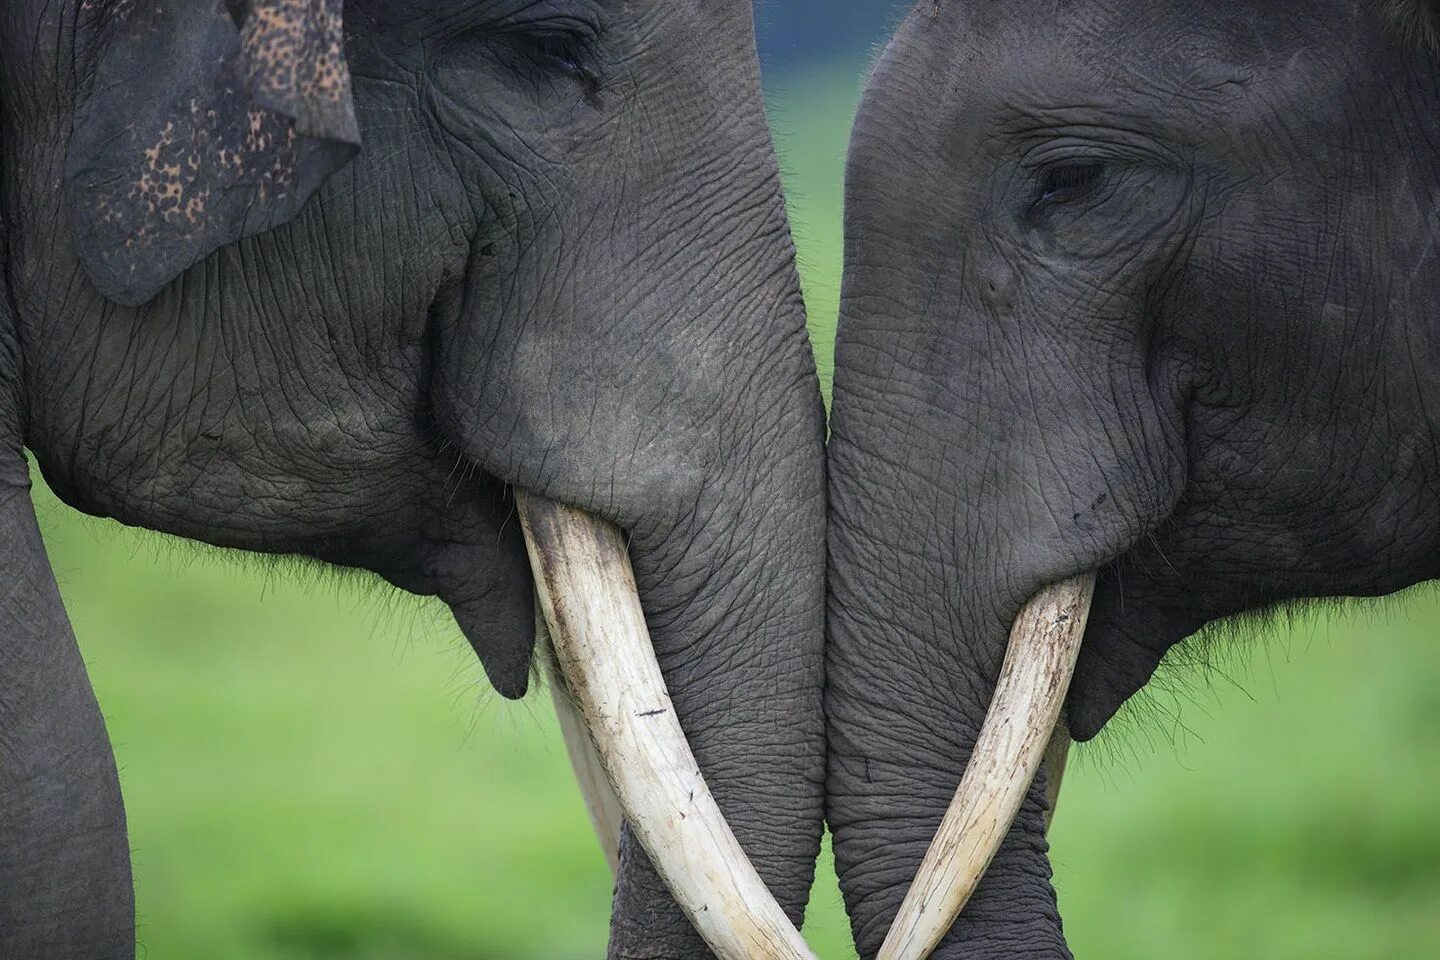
x=733 y=597
x=1018 y=732
x=675 y=399
x=602 y=647
x=908 y=686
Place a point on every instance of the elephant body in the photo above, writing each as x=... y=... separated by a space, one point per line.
x=290 y=287
x=1142 y=289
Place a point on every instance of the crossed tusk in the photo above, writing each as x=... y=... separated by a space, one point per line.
x=604 y=674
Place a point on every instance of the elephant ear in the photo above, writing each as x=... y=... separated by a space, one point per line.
x=200 y=122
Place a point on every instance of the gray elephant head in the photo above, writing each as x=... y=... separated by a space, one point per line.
x=1143 y=291
x=296 y=280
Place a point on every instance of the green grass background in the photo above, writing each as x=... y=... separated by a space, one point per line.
x=315 y=769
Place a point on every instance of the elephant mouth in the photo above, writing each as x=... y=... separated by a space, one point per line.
x=1019 y=731
x=617 y=694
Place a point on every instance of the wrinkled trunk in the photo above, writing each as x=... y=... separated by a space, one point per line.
x=603 y=648
x=64 y=861
x=735 y=610
x=732 y=595
x=907 y=691
x=968 y=471
x=65 y=889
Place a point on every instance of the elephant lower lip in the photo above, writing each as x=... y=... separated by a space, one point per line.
x=1143 y=607
x=507 y=666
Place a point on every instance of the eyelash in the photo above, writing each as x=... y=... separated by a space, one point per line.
x=559 y=51
x=1067 y=182
x=562 y=51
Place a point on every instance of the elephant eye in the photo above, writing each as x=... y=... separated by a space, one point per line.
x=1069 y=181
x=562 y=52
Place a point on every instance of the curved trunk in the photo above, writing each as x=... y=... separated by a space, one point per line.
x=602 y=646
x=647 y=363
x=1020 y=726
x=682 y=407
x=734 y=603
x=65 y=889
x=906 y=697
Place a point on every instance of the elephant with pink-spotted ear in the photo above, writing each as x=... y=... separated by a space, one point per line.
x=361 y=285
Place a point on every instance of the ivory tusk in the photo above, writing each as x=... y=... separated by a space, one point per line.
x=1056 y=753
x=602 y=646
x=600 y=801
x=1044 y=645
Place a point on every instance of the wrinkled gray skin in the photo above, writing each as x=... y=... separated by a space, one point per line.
x=1142 y=287
x=560 y=260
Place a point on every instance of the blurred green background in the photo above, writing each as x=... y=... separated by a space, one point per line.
x=314 y=766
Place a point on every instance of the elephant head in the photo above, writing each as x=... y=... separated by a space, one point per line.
x=1136 y=295
x=300 y=280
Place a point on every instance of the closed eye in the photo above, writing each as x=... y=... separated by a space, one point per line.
x=552 y=50
x=1070 y=181
x=561 y=52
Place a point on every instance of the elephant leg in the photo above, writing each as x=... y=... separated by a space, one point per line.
x=65 y=887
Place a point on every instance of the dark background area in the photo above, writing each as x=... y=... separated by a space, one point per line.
x=803 y=33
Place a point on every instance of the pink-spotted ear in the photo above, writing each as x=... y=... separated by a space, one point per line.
x=199 y=123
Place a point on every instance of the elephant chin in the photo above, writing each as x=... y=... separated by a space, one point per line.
x=1020 y=730
x=602 y=648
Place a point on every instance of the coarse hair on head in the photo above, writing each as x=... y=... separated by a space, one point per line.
x=1415 y=23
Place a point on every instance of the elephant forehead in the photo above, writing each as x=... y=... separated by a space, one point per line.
x=1106 y=57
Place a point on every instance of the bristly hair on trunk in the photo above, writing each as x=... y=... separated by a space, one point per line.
x=1416 y=23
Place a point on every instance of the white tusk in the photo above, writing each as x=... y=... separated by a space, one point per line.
x=588 y=595
x=600 y=800
x=1044 y=645
x=1056 y=753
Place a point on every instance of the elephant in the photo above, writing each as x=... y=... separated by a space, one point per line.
x=358 y=286
x=1136 y=337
